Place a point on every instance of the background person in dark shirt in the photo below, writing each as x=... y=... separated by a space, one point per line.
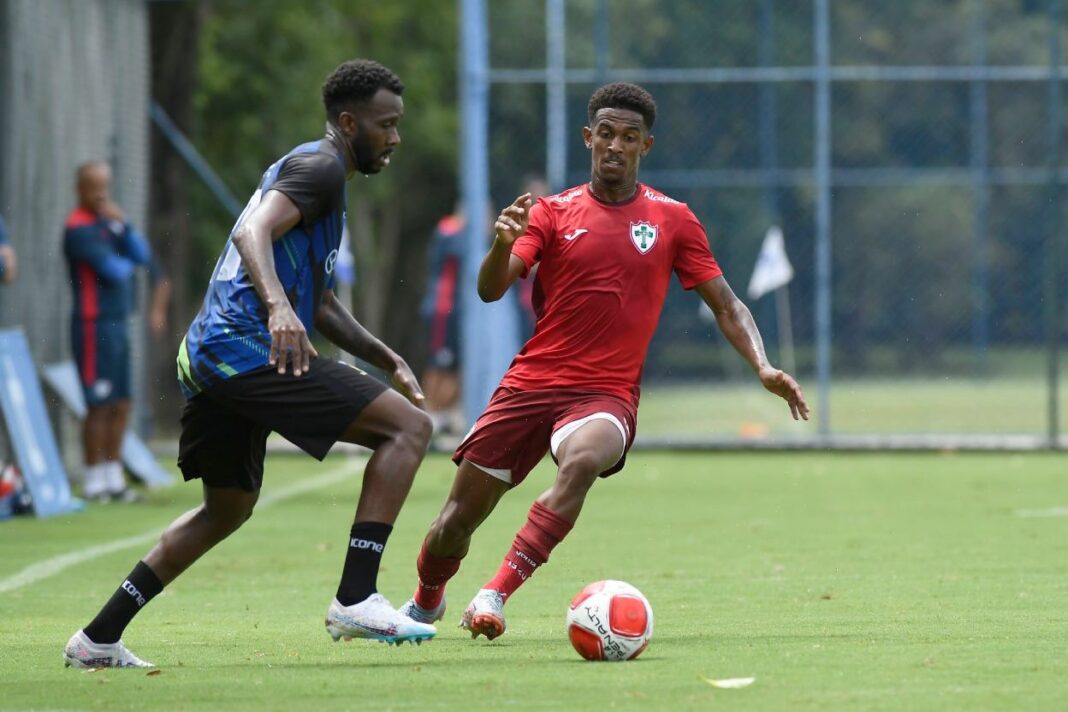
x=441 y=311
x=103 y=252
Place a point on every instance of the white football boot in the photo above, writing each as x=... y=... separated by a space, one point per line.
x=485 y=614
x=375 y=619
x=85 y=654
x=423 y=615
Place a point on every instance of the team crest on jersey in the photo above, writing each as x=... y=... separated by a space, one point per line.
x=643 y=235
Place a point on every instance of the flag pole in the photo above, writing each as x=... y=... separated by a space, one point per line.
x=786 y=329
x=772 y=273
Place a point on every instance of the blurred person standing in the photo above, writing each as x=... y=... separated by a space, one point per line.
x=103 y=252
x=441 y=315
x=537 y=187
x=8 y=272
x=8 y=261
x=443 y=318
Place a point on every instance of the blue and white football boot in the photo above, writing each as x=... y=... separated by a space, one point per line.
x=375 y=619
x=423 y=615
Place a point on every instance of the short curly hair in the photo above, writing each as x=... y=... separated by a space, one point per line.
x=355 y=81
x=624 y=95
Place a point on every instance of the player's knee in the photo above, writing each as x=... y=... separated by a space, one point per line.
x=452 y=526
x=243 y=513
x=580 y=469
x=418 y=430
x=226 y=518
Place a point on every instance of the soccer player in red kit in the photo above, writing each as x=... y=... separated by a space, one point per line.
x=605 y=253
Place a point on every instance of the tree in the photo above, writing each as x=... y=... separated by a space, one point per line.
x=174 y=32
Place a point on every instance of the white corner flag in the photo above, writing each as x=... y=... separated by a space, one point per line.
x=773 y=268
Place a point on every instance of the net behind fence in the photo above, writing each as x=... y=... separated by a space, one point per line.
x=943 y=136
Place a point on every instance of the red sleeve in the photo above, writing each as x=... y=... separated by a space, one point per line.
x=694 y=263
x=530 y=245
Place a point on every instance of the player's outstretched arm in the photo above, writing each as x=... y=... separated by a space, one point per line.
x=273 y=217
x=736 y=323
x=337 y=324
x=499 y=268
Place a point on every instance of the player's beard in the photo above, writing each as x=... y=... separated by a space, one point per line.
x=366 y=161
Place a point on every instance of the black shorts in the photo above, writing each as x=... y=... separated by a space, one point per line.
x=225 y=428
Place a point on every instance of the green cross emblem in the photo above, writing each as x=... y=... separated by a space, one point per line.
x=644 y=233
x=643 y=236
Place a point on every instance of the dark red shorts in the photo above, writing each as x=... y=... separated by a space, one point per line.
x=519 y=427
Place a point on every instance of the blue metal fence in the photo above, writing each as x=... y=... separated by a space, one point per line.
x=839 y=120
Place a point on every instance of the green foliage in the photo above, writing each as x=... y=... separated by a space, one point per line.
x=260 y=72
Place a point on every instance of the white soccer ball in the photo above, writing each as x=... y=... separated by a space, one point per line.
x=610 y=620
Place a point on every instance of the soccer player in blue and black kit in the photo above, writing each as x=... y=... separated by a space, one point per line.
x=248 y=368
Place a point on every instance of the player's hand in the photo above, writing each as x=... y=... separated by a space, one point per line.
x=783 y=385
x=405 y=382
x=513 y=220
x=289 y=341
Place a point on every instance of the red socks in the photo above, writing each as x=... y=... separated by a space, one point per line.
x=543 y=531
x=434 y=572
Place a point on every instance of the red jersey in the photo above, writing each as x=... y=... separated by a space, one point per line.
x=603 y=275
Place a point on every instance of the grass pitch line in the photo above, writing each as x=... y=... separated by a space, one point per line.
x=1051 y=512
x=57 y=564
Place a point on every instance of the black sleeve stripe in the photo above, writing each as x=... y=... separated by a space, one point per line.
x=314 y=182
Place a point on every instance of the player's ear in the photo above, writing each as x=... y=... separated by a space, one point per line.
x=587 y=136
x=347 y=123
x=648 y=145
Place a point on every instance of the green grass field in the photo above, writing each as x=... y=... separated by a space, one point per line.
x=838 y=581
x=1001 y=405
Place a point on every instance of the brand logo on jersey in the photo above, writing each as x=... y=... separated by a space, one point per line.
x=643 y=235
x=650 y=195
x=572 y=235
x=331 y=260
x=567 y=197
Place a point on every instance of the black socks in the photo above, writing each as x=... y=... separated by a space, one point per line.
x=359 y=578
x=140 y=587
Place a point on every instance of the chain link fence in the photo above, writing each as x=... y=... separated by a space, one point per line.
x=909 y=151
